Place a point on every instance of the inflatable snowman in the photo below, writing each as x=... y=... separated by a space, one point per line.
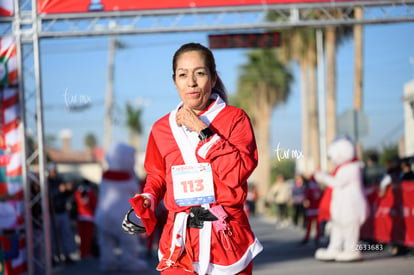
x=348 y=206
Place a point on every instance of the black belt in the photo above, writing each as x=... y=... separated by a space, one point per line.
x=196 y=218
x=198 y=215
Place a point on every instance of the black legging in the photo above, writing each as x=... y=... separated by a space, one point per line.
x=299 y=213
x=282 y=208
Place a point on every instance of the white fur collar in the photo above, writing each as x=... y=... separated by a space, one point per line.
x=186 y=139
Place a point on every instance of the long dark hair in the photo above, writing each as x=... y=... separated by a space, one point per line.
x=209 y=61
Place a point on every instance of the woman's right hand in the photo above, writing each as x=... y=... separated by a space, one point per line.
x=146 y=203
x=188 y=118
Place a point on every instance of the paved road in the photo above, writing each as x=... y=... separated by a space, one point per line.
x=282 y=255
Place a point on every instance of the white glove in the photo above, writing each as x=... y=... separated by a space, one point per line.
x=321 y=177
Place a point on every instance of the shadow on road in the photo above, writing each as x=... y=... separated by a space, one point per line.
x=282 y=254
x=280 y=244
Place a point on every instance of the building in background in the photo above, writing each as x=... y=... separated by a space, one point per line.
x=76 y=165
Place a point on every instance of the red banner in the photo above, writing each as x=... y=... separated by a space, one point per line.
x=6 y=7
x=69 y=6
x=392 y=216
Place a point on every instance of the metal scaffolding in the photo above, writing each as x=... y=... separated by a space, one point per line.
x=29 y=27
x=222 y=18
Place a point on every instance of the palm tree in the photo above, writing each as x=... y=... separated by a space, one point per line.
x=334 y=36
x=264 y=83
x=50 y=140
x=358 y=63
x=310 y=64
x=330 y=50
x=90 y=143
x=134 y=125
x=299 y=44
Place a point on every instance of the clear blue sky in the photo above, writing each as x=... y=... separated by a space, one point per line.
x=143 y=73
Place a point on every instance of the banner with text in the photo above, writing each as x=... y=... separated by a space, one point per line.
x=74 y=6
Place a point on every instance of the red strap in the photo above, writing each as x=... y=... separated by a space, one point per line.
x=116 y=175
x=355 y=159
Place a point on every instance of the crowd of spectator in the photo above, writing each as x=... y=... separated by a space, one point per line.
x=295 y=201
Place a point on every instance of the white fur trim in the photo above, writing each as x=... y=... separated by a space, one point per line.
x=202 y=152
x=188 y=140
x=214 y=110
x=254 y=249
x=386 y=180
x=185 y=140
x=180 y=226
x=205 y=246
x=179 y=229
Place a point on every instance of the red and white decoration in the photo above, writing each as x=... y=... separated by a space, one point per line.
x=8 y=60
x=11 y=183
x=6 y=7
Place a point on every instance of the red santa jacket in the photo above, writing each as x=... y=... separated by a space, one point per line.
x=313 y=196
x=232 y=154
x=86 y=201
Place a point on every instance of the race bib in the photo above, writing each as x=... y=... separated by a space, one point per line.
x=193 y=184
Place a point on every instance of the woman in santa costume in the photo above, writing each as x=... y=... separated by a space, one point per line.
x=198 y=160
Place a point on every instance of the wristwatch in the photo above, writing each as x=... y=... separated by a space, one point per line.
x=205 y=134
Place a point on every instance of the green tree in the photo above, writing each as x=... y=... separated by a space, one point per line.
x=31 y=146
x=286 y=167
x=264 y=82
x=50 y=140
x=298 y=44
x=369 y=152
x=334 y=37
x=90 y=143
x=388 y=153
x=133 y=122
